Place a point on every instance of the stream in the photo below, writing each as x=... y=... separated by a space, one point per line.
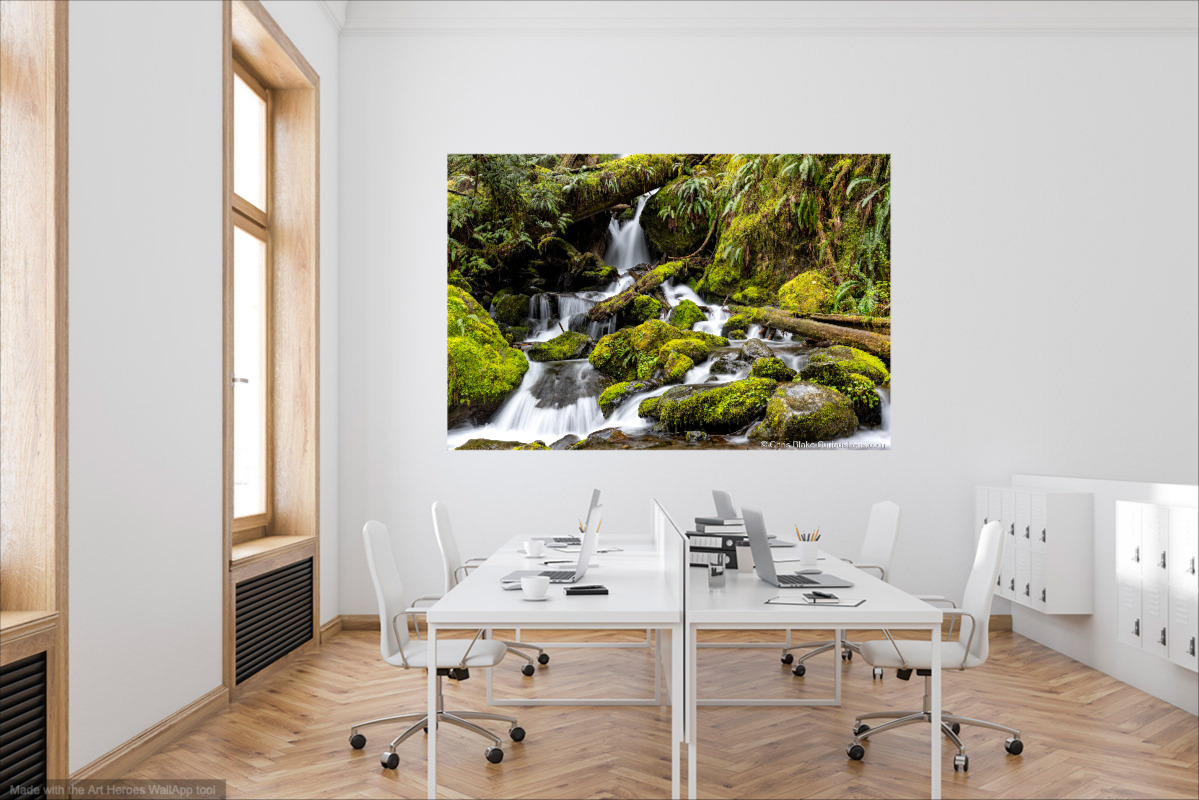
x=558 y=398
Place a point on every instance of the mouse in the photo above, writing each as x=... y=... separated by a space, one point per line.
x=807 y=572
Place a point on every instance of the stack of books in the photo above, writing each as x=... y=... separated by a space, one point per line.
x=715 y=540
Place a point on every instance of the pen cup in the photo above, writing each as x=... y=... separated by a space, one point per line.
x=807 y=553
x=745 y=557
x=716 y=576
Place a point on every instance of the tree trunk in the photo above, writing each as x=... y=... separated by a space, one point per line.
x=878 y=324
x=876 y=343
x=647 y=282
x=622 y=181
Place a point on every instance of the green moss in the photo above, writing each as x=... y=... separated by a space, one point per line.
x=858 y=388
x=562 y=347
x=754 y=296
x=678 y=356
x=496 y=444
x=772 y=368
x=851 y=359
x=538 y=445
x=685 y=315
x=456 y=279
x=667 y=228
x=595 y=275
x=512 y=309
x=615 y=395
x=633 y=353
x=649 y=407
x=482 y=370
x=641 y=309
x=737 y=327
x=717 y=408
x=805 y=412
x=807 y=293
x=514 y=333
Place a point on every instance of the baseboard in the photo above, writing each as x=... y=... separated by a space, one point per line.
x=1001 y=622
x=331 y=629
x=125 y=757
x=359 y=622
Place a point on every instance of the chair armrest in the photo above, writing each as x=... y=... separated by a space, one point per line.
x=935 y=598
x=882 y=573
x=412 y=611
x=463 y=568
x=472 y=561
x=957 y=612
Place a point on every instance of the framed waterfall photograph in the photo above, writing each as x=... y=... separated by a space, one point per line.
x=668 y=301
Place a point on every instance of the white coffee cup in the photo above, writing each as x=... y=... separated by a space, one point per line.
x=534 y=547
x=535 y=586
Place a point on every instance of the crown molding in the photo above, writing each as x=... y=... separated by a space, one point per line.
x=335 y=12
x=847 y=26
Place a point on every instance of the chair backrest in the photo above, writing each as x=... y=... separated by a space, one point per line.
x=389 y=589
x=450 y=559
x=980 y=589
x=881 y=529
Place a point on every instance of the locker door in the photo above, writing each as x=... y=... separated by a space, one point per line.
x=1128 y=610
x=980 y=508
x=1039 y=519
x=1184 y=542
x=1155 y=618
x=994 y=505
x=1023 y=587
x=1024 y=516
x=1008 y=510
x=1007 y=587
x=1128 y=540
x=1155 y=537
x=1184 y=627
x=1038 y=591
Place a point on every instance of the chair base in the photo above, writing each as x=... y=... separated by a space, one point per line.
x=848 y=648
x=899 y=719
x=461 y=719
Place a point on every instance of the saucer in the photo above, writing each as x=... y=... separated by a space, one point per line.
x=535 y=599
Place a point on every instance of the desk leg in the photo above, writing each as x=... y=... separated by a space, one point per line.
x=935 y=761
x=678 y=704
x=432 y=737
x=838 y=636
x=690 y=722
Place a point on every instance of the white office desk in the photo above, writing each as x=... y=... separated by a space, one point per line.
x=645 y=592
x=741 y=604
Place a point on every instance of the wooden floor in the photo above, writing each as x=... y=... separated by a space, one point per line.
x=1086 y=734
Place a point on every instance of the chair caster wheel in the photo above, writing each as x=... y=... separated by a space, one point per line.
x=847 y=655
x=859 y=728
x=426 y=729
x=799 y=670
x=877 y=674
x=1014 y=746
x=956 y=727
x=357 y=741
x=495 y=755
x=961 y=761
x=544 y=658
x=855 y=752
x=517 y=733
x=787 y=658
x=527 y=670
x=903 y=674
x=390 y=760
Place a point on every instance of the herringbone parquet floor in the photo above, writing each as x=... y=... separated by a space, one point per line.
x=1087 y=735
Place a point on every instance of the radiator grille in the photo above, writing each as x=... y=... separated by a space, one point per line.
x=273 y=616
x=23 y=728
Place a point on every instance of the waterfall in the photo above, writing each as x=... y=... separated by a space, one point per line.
x=717 y=316
x=628 y=247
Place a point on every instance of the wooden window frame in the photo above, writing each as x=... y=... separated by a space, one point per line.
x=33 y=361
x=257 y=50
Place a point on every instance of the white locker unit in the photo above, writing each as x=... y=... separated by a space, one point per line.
x=1156 y=582
x=1047 y=547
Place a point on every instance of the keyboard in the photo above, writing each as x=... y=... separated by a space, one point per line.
x=567 y=540
x=797 y=580
x=559 y=576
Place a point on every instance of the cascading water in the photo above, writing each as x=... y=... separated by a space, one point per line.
x=627 y=247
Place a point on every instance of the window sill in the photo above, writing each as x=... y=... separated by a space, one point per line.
x=266 y=548
x=24 y=633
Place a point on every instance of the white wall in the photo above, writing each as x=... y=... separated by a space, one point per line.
x=1044 y=251
x=145 y=357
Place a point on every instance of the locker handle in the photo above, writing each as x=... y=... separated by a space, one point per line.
x=1026 y=590
x=1012 y=585
x=1042 y=595
x=1191 y=649
x=1042 y=534
x=1011 y=529
x=1027 y=531
x=1162 y=563
x=1136 y=555
x=1136 y=627
x=1162 y=638
x=1192 y=569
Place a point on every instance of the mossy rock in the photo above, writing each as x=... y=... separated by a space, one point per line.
x=633 y=353
x=615 y=395
x=496 y=444
x=456 y=279
x=627 y=214
x=514 y=333
x=595 y=276
x=512 y=309
x=858 y=388
x=754 y=296
x=772 y=368
x=537 y=445
x=667 y=228
x=563 y=347
x=727 y=364
x=713 y=408
x=642 y=308
x=805 y=412
x=753 y=349
x=648 y=407
x=481 y=370
x=807 y=293
x=678 y=356
x=736 y=327
x=685 y=315
x=854 y=360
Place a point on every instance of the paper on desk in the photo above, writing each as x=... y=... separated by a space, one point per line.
x=780 y=600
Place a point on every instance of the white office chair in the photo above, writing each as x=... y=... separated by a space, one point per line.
x=455 y=657
x=875 y=554
x=455 y=568
x=968 y=652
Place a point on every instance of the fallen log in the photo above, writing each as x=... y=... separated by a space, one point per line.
x=876 y=343
x=646 y=283
x=879 y=324
x=622 y=181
